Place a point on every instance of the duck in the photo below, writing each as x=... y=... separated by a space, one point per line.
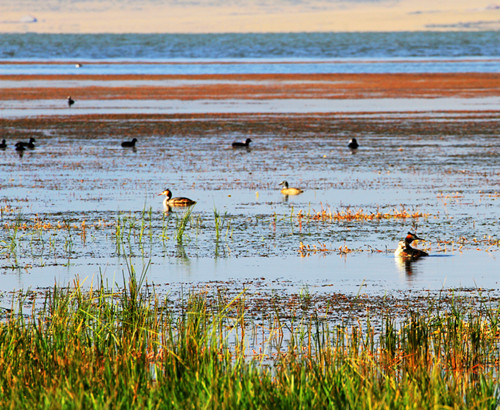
x=289 y=191
x=3 y=145
x=70 y=101
x=21 y=145
x=245 y=144
x=178 y=201
x=405 y=250
x=129 y=144
x=353 y=144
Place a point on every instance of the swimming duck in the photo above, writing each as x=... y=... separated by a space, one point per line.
x=21 y=145
x=353 y=144
x=405 y=250
x=245 y=144
x=70 y=101
x=3 y=145
x=289 y=191
x=178 y=201
x=129 y=144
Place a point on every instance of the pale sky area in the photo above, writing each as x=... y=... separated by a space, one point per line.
x=211 y=16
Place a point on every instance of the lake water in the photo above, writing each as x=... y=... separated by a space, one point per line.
x=79 y=204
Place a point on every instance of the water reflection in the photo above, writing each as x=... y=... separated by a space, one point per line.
x=407 y=266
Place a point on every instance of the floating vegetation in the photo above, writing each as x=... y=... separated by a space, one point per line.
x=307 y=250
x=358 y=215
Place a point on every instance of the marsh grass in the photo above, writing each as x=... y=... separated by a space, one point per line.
x=131 y=347
x=181 y=224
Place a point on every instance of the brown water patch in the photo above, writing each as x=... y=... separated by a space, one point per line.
x=261 y=86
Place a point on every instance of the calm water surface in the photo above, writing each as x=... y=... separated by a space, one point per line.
x=452 y=181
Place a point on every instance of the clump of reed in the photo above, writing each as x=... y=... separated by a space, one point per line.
x=134 y=348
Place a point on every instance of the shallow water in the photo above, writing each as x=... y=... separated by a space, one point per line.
x=445 y=169
x=31 y=108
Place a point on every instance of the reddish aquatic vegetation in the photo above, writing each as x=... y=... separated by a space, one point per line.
x=360 y=215
x=37 y=224
x=307 y=250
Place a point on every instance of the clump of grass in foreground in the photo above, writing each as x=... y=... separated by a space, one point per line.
x=97 y=348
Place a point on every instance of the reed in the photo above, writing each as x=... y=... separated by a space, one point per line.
x=181 y=224
x=133 y=348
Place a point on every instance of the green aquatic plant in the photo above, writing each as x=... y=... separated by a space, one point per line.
x=181 y=224
x=131 y=346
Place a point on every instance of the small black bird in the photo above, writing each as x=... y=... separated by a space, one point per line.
x=3 y=145
x=353 y=144
x=129 y=144
x=70 y=101
x=23 y=145
x=245 y=144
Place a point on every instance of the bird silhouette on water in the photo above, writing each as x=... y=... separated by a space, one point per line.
x=353 y=144
x=129 y=144
x=246 y=144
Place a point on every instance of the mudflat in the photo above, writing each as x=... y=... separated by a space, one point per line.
x=249 y=86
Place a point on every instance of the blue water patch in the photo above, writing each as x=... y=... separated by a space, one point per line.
x=197 y=67
x=249 y=45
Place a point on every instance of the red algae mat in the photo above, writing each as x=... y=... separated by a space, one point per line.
x=251 y=86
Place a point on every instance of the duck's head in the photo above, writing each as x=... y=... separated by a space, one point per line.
x=134 y=140
x=32 y=140
x=284 y=184
x=410 y=237
x=167 y=193
x=248 y=141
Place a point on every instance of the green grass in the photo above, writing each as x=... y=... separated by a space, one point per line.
x=98 y=348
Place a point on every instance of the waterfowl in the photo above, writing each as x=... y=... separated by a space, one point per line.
x=405 y=250
x=78 y=65
x=3 y=145
x=178 y=201
x=129 y=144
x=289 y=191
x=30 y=144
x=245 y=144
x=353 y=144
x=70 y=101
x=21 y=145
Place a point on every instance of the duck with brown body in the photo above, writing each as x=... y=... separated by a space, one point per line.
x=405 y=250
x=289 y=191
x=245 y=144
x=177 y=201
